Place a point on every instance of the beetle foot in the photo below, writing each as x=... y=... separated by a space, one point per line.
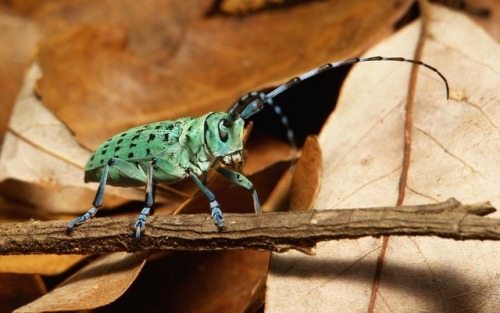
x=217 y=215
x=79 y=220
x=141 y=223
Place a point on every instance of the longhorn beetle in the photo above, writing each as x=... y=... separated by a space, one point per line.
x=170 y=151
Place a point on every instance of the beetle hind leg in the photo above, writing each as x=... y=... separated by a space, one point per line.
x=97 y=200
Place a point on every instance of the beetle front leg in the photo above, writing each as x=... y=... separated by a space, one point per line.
x=241 y=181
x=217 y=215
x=150 y=194
x=97 y=200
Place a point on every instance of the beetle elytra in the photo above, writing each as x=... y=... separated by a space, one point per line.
x=170 y=151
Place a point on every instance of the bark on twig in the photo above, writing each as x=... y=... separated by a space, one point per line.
x=270 y=231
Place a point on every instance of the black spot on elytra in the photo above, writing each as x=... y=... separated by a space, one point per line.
x=136 y=137
x=117 y=148
x=103 y=152
x=119 y=141
x=158 y=127
x=116 y=157
x=166 y=136
x=106 y=145
x=132 y=145
x=151 y=137
x=148 y=152
x=140 y=130
x=170 y=127
x=123 y=134
x=130 y=155
x=101 y=161
x=92 y=157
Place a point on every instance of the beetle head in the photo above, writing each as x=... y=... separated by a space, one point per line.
x=224 y=137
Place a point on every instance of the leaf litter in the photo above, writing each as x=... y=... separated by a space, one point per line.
x=183 y=81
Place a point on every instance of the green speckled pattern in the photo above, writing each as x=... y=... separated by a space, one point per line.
x=181 y=145
x=140 y=143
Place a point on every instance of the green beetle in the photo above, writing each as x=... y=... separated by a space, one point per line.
x=170 y=151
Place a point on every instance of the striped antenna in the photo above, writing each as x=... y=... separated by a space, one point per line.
x=254 y=102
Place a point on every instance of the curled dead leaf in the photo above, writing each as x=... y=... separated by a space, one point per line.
x=307 y=176
x=97 y=284
x=454 y=152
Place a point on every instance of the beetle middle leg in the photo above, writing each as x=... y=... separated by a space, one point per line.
x=150 y=195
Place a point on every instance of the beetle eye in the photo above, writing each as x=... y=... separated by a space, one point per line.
x=222 y=133
x=226 y=123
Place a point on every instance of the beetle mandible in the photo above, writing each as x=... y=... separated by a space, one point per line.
x=170 y=151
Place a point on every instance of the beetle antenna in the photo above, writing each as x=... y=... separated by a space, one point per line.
x=260 y=100
x=234 y=112
x=258 y=105
x=252 y=103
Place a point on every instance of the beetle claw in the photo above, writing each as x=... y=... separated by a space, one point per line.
x=79 y=220
x=138 y=230
x=141 y=222
x=218 y=217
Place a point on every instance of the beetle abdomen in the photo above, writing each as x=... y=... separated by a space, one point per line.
x=139 y=143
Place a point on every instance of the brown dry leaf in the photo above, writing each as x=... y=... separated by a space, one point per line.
x=48 y=264
x=16 y=212
x=98 y=284
x=154 y=28
x=307 y=177
x=15 y=290
x=17 y=39
x=490 y=23
x=221 y=281
x=454 y=153
x=246 y=6
x=225 y=282
x=25 y=6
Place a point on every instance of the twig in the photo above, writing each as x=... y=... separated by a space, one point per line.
x=270 y=231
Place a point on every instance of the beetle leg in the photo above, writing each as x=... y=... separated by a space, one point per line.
x=150 y=194
x=217 y=215
x=241 y=181
x=97 y=200
x=204 y=178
